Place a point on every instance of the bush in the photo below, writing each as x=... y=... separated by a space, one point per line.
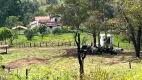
x=5 y=33
x=29 y=34
x=61 y=30
x=57 y=30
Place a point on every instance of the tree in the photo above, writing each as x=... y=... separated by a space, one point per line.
x=42 y=30
x=131 y=14
x=27 y=11
x=73 y=13
x=12 y=21
x=29 y=34
x=9 y=8
x=92 y=24
x=5 y=33
x=14 y=36
x=103 y=10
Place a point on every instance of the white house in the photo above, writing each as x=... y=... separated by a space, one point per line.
x=109 y=40
x=51 y=22
x=55 y=22
x=34 y=24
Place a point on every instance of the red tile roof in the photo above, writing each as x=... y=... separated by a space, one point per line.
x=53 y=23
x=38 y=18
x=19 y=27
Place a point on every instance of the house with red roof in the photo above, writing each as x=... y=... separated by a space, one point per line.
x=51 y=22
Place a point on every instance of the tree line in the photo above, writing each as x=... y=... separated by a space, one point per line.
x=21 y=12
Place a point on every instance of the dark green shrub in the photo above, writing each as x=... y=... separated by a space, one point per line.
x=42 y=30
x=5 y=33
x=29 y=34
x=62 y=30
x=57 y=30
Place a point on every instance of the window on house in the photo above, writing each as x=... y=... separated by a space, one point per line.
x=55 y=19
x=50 y=27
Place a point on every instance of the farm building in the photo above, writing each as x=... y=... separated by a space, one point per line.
x=51 y=22
x=109 y=40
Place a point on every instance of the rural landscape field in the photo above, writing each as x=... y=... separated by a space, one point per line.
x=70 y=40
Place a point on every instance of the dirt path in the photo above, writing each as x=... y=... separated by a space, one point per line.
x=25 y=62
x=50 y=48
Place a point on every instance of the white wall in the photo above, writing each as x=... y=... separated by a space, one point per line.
x=102 y=37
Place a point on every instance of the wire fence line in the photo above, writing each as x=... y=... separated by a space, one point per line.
x=41 y=44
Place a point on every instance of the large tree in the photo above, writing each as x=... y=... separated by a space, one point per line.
x=9 y=8
x=103 y=10
x=27 y=11
x=130 y=12
x=23 y=9
x=73 y=13
x=12 y=21
x=92 y=24
x=5 y=33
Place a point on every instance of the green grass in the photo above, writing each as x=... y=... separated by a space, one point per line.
x=69 y=37
x=97 y=67
x=49 y=37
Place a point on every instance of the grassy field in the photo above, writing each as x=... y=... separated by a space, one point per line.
x=68 y=37
x=58 y=67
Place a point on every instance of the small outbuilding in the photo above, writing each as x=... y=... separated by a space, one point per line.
x=19 y=28
x=109 y=40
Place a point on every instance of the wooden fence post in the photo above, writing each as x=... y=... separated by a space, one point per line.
x=34 y=44
x=40 y=44
x=24 y=45
x=53 y=44
x=46 y=44
x=130 y=65
x=30 y=44
x=69 y=43
x=6 y=50
x=58 y=44
x=26 y=73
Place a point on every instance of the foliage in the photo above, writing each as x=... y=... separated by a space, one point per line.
x=29 y=34
x=93 y=22
x=61 y=30
x=57 y=31
x=27 y=10
x=12 y=21
x=9 y=8
x=14 y=36
x=130 y=16
x=42 y=29
x=5 y=33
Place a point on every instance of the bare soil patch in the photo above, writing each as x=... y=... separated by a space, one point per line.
x=70 y=52
x=25 y=62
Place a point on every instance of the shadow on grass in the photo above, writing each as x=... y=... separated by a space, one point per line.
x=4 y=53
x=105 y=58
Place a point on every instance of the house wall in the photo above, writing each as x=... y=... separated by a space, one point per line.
x=53 y=27
x=102 y=37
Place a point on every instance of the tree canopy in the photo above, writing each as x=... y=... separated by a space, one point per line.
x=5 y=33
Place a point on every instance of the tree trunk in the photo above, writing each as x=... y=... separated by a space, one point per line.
x=99 y=39
x=136 y=41
x=81 y=63
x=94 y=38
x=80 y=59
x=105 y=28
